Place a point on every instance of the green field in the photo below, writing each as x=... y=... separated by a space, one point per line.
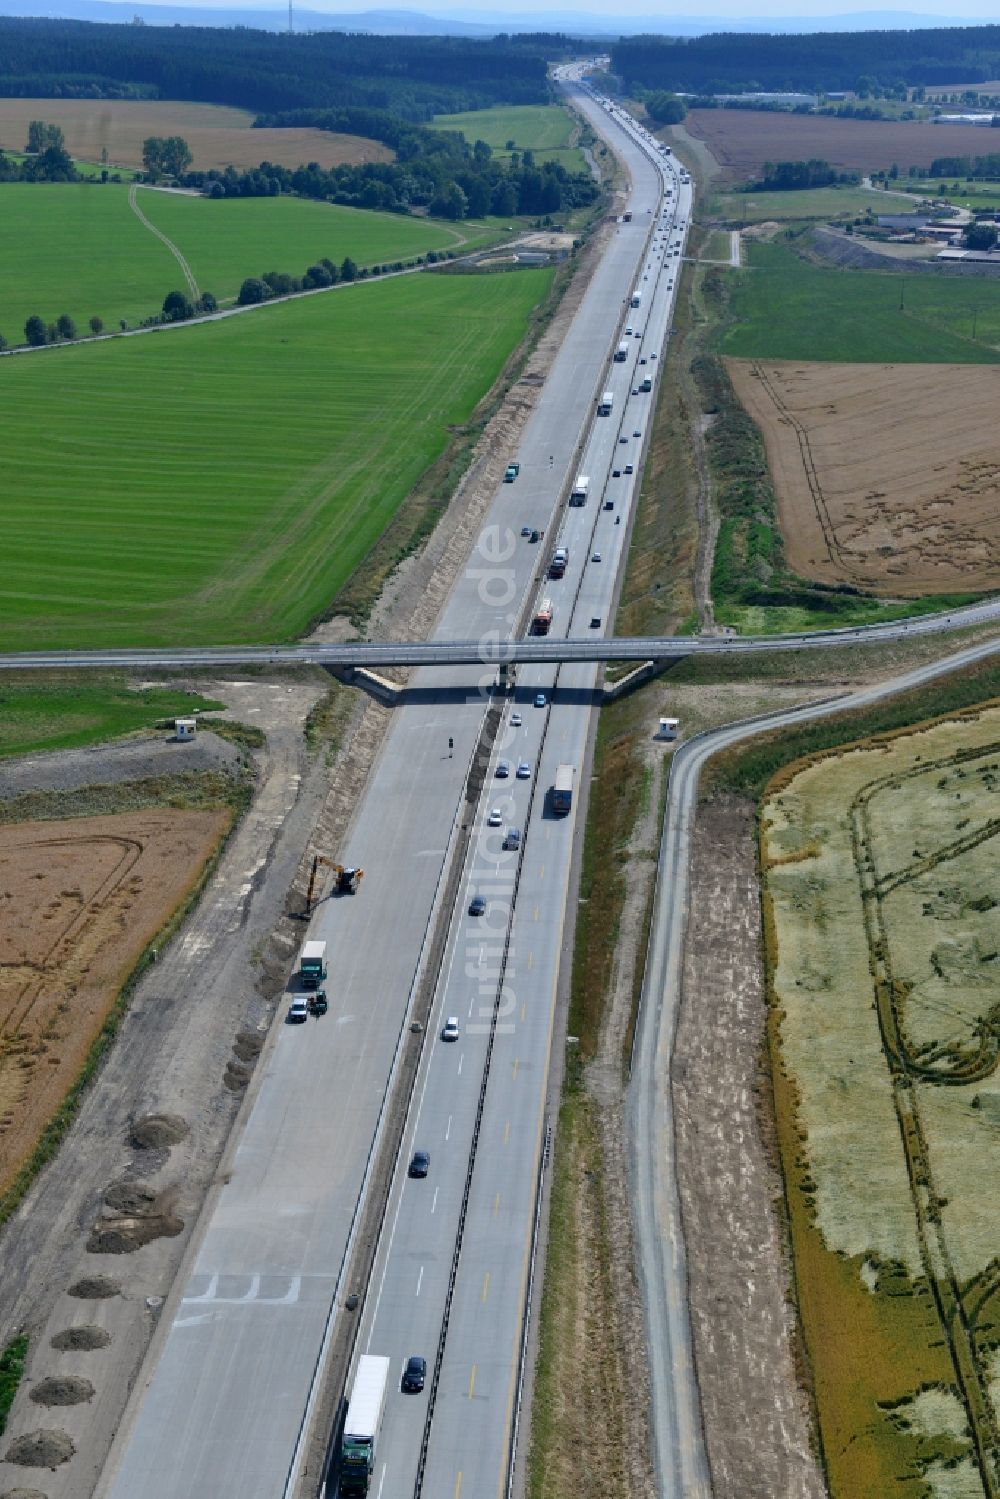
x=812 y=203
x=60 y=711
x=782 y=307
x=545 y=129
x=221 y=482
x=68 y=247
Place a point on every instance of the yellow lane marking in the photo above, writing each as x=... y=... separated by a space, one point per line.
x=472 y=1381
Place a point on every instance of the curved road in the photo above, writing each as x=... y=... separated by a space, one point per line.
x=682 y=1467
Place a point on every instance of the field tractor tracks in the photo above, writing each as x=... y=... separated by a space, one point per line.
x=963 y=1312
x=185 y=268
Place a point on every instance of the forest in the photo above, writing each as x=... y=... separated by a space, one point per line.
x=825 y=61
x=413 y=77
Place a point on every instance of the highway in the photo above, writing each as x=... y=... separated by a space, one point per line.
x=224 y=1398
x=681 y=1466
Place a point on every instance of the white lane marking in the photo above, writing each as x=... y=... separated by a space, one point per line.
x=460 y=1061
x=434 y=1204
x=381 y=1482
x=447 y=1133
x=420 y=1279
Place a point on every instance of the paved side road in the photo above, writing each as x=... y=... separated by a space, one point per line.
x=682 y=1467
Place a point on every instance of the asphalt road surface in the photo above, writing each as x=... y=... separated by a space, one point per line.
x=221 y=1402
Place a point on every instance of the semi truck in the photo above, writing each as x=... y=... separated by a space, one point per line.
x=562 y=788
x=362 y=1422
x=605 y=404
x=542 y=622
x=312 y=965
x=578 y=494
x=560 y=559
x=621 y=353
x=646 y=383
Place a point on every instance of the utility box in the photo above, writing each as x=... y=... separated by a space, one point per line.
x=185 y=729
x=668 y=728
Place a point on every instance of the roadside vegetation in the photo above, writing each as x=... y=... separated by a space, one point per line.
x=824 y=204
x=265 y=457
x=67 y=710
x=12 y=1362
x=548 y=131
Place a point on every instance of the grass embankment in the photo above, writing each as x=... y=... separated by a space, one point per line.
x=544 y=129
x=12 y=1362
x=69 y=247
x=224 y=482
x=62 y=710
x=580 y=1431
x=752 y=589
x=784 y=307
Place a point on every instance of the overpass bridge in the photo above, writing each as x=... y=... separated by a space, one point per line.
x=492 y=651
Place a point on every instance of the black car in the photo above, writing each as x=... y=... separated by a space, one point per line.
x=414 y=1375
x=477 y=906
x=421 y=1163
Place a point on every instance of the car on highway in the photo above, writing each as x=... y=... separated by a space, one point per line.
x=596 y=557
x=420 y=1164
x=477 y=906
x=516 y=720
x=595 y=623
x=503 y=770
x=495 y=819
x=637 y=433
x=524 y=771
x=525 y=530
x=642 y=360
x=414 y=1375
x=623 y=438
x=540 y=700
x=511 y=472
x=629 y=469
x=616 y=473
x=628 y=331
x=298 y=1011
x=513 y=839
x=450 y=1032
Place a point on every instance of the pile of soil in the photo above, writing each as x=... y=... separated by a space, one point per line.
x=126 y=1234
x=247 y=1045
x=158 y=1131
x=129 y=1197
x=23 y=1494
x=95 y=1288
x=81 y=1339
x=62 y=1389
x=236 y=1075
x=41 y=1449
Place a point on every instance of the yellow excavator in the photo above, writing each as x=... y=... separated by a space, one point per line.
x=346 y=879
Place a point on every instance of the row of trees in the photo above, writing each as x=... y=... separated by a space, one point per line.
x=51 y=165
x=415 y=77
x=793 y=176
x=874 y=62
x=166 y=156
x=986 y=167
x=37 y=331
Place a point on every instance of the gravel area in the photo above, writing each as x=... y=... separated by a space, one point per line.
x=137 y=759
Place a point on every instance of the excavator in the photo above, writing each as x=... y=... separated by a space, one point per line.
x=346 y=879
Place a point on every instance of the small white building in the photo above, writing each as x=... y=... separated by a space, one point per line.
x=185 y=729
x=668 y=728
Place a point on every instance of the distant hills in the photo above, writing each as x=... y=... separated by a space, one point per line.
x=583 y=24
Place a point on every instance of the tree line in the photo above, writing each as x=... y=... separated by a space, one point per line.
x=877 y=60
x=414 y=77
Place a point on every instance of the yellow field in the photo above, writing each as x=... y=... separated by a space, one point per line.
x=883 y=933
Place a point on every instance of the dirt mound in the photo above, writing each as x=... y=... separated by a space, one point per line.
x=62 y=1389
x=23 y=1494
x=41 y=1449
x=247 y=1045
x=236 y=1076
x=158 y=1131
x=126 y=1234
x=81 y=1338
x=129 y=1197
x=95 y=1288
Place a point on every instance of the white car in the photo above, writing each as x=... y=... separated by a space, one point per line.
x=298 y=1012
x=450 y=1032
x=515 y=720
x=596 y=557
x=495 y=819
x=524 y=771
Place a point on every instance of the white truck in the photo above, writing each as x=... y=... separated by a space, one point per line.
x=605 y=404
x=578 y=494
x=621 y=353
x=362 y=1422
x=312 y=965
x=637 y=298
x=562 y=788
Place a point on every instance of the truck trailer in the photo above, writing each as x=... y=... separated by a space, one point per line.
x=637 y=298
x=562 y=788
x=578 y=494
x=621 y=353
x=312 y=965
x=605 y=404
x=362 y=1422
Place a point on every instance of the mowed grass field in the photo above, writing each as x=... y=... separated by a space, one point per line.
x=813 y=203
x=222 y=482
x=782 y=307
x=545 y=129
x=67 y=247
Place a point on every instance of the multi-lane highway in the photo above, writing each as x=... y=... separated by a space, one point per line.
x=224 y=1396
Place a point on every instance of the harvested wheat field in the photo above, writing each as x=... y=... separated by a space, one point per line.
x=79 y=901
x=882 y=921
x=741 y=140
x=886 y=476
x=218 y=136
